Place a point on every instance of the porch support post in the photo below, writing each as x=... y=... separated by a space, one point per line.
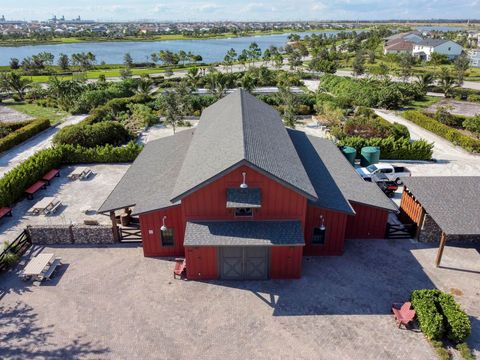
x=443 y=239
x=421 y=220
x=116 y=234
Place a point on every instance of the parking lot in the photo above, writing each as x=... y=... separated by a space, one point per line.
x=113 y=303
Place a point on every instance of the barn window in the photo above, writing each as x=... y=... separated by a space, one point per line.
x=243 y=212
x=167 y=237
x=318 y=236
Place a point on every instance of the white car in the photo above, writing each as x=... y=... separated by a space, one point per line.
x=393 y=173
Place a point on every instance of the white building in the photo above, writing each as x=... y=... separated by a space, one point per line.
x=426 y=47
x=474 y=56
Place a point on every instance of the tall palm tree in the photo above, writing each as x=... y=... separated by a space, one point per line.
x=14 y=83
x=446 y=82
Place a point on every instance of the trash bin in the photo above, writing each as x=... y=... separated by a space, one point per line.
x=369 y=155
x=350 y=153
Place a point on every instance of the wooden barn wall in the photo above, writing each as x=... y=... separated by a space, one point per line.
x=278 y=202
x=151 y=222
x=368 y=223
x=410 y=209
x=286 y=262
x=335 y=223
x=202 y=263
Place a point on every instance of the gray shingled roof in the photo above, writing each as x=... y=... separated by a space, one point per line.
x=243 y=233
x=240 y=129
x=452 y=201
x=244 y=198
x=334 y=178
x=149 y=182
x=432 y=42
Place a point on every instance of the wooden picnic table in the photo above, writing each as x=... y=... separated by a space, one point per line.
x=80 y=172
x=47 y=204
x=37 y=265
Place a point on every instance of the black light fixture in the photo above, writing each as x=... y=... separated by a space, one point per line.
x=244 y=185
x=164 y=227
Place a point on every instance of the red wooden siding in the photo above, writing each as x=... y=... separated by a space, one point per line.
x=286 y=262
x=278 y=202
x=151 y=222
x=335 y=223
x=202 y=263
x=368 y=223
x=410 y=208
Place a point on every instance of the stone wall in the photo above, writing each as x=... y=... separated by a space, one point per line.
x=431 y=233
x=70 y=234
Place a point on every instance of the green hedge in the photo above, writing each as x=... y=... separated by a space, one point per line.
x=457 y=321
x=429 y=318
x=438 y=312
x=14 y=183
x=98 y=134
x=391 y=148
x=23 y=133
x=448 y=133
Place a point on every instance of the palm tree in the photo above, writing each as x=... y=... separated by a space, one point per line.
x=446 y=82
x=193 y=76
x=14 y=82
x=424 y=81
x=145 y=85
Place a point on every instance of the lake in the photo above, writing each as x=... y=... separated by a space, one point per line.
x=211 y=50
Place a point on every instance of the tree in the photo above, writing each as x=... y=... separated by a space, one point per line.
x=145 y=85
x=171 y=110
x=406 y=63
x=437 y=59
x=15 y=83
x=358 y=64
x=446 y=82
x=323 y=65
x=63 y=62
x=154 y=58
x=14 y=64
x=254 y=52
x=289 y=101
x=371 y=56
x=461 y=65
x=65 y=92
x=128 y=60
x=193 y=77
x=424 y=81
x=473 y=124
x=295 y=59
x=230 y=57
x=278 y=60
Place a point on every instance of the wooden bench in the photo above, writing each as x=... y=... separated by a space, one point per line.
x=50 y=175
x=40 y=184
x=48 y=274
x=55 y=205
x=5 y=211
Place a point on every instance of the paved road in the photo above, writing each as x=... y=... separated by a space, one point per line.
x=20 y=153
x=451 y=159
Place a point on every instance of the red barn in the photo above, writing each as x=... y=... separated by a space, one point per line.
x=242 y=197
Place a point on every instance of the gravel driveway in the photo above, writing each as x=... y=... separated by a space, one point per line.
x=10 y=115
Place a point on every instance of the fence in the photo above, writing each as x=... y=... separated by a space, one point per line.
x=17 y=247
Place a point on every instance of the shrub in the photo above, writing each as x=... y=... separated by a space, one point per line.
x=23 y=133
x=391 y=148
x=102 y=133
x=473 y=124
x=453 y=135
x=465 y=351
x=10 y=259
x=457 y=322
x=429 y=318
x=14 y=183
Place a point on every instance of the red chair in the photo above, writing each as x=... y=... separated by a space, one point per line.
x=403 y=315
x=180 y=268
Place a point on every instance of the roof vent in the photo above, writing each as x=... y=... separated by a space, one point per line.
x=244 y=185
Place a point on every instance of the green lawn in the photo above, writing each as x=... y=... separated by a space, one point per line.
x=422 y=105
x=54 y=115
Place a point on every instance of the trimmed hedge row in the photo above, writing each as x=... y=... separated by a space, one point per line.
x=391 y=148
x=438 y=312
x=448 y=133
x=14 y=183
x=23 y=133
x=98 y=134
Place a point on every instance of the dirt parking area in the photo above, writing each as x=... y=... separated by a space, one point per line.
x=457 y=107
x=9 y=115
x=80 y=200
x=112 y=303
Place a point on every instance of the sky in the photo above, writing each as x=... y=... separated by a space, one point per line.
x=241 y=10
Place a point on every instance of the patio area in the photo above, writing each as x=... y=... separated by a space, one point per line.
x=110 y=302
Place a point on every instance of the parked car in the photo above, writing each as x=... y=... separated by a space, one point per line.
x=387 y=186
x=393 y=173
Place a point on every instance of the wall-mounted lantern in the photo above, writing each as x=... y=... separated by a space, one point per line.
x=244 y=185
x=164 y=227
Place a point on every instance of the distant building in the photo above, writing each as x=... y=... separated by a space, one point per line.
x=426 y=47
x=474 y=56
x=411 y=36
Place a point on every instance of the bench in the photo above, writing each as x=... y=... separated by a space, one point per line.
x=40 y=184
x=48 y=274
x=50 y=175
x=55 y=205
x=5 y=211
x=86 y=174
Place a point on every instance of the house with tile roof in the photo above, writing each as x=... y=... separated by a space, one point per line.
x=242 y=197
x=398 y=47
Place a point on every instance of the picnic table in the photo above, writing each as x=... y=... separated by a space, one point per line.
x=41 y=266
x=80 y=173
x=47 y=205
x=35 y=187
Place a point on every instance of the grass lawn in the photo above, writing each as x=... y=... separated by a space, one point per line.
x=54 y=115
x=421 y=105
